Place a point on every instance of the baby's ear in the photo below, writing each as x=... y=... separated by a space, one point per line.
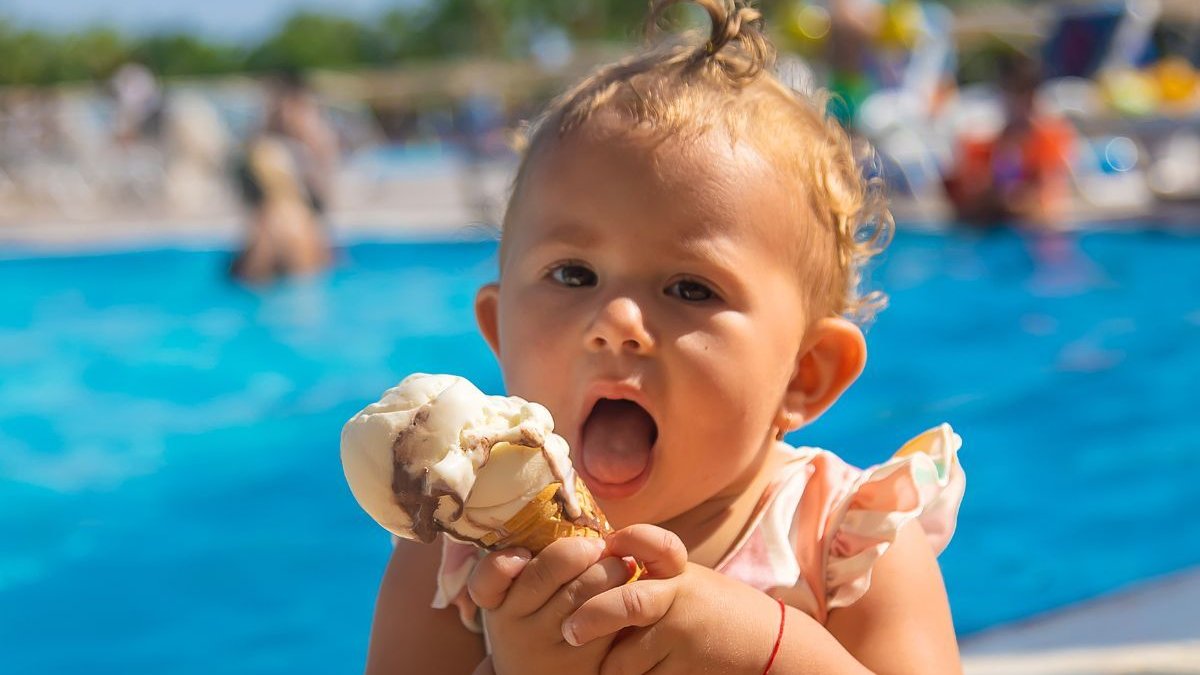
x=487 y=305
x=831 y=358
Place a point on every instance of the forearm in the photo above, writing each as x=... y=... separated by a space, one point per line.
x=407 y=635
x=753 y=622
x=806 y=647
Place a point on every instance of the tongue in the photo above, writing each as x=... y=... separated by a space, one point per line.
x=616 y=441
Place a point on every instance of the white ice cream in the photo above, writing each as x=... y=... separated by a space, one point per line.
x=436 y=454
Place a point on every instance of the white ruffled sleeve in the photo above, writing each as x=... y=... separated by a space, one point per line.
x=458 y=561
x=922 y=481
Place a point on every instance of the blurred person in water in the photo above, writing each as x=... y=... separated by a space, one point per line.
x=1022 y=175
x=286 y=177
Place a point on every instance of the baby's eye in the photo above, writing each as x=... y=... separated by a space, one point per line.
x=573 y=275
x=692 y=291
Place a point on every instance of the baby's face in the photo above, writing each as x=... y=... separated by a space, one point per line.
x=654 y=275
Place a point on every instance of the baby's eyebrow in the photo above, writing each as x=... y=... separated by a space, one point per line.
x=702 y=248
x=712 y=250
x=571 y=234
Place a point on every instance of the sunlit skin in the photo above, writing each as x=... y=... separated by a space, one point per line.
x=660 y=271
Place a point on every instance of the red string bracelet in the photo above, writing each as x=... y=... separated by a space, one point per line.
x=778 y=638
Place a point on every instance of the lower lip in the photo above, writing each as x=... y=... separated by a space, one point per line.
x=605 y=490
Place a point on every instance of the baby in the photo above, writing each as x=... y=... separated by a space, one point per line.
x=679 y=267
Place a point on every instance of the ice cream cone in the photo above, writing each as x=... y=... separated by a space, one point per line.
x=544 y=519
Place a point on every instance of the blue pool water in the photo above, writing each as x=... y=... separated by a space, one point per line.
x=171 y=498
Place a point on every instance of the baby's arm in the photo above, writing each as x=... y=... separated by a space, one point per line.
x=902 y=624
x=409 y=636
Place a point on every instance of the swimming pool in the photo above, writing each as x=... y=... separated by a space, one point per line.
x=171 y=498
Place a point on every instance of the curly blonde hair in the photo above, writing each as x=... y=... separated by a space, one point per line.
x=684 y=87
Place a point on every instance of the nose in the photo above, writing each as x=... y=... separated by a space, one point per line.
x=619 y=326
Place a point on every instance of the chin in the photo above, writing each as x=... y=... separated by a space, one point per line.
x=623 y=512
x=628 y=511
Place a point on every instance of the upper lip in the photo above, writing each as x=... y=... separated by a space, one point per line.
x=613 y=390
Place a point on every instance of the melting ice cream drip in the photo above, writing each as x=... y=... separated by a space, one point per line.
x=454 y=458
x=422 y=496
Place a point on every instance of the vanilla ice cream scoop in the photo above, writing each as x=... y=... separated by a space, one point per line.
x=435 y=454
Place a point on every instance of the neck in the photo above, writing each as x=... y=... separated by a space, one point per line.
x=711 y=529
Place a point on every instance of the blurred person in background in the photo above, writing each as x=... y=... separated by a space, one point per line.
x=139 y=103
x=853 y=63
x=295 y=116
x=286 y=178
x=872 y=45
x=1023 y=174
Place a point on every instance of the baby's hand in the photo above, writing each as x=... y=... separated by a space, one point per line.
x=682 y=618
x=525 y=601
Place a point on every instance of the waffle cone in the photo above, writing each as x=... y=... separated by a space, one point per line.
x=543 y=520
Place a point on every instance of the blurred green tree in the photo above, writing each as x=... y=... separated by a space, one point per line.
x=182 y=54
x=26 y=56
x=433 y=29
x=311 y=40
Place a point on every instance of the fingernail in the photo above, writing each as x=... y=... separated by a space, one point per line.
x=632 y=567
x=515 y=558
x=597 y=544
x=568 y=631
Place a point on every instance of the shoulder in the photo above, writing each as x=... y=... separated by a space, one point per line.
x=408 y=635
x=903 y=619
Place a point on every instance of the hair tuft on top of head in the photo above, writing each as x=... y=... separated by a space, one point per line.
x=736 y=44
x=682 y=86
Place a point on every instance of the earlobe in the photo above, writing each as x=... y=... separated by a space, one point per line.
x=832 y=357
x=487 y=315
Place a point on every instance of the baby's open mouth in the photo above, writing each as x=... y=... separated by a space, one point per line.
x=617 y=439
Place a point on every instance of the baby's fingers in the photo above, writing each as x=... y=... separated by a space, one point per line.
x=560 y=562
x=640 y=603
x=492 y=577
x=606 y=574
x=660 y=550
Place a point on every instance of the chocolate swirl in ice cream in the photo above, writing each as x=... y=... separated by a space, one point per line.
x=458 y=461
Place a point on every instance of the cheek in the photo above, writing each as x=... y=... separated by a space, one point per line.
x=733 y=379
x=733 y=364
x=535 y=347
